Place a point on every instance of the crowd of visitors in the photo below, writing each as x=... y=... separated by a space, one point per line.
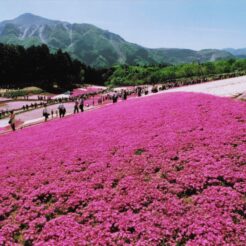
x=123 y=94
x=79 y=102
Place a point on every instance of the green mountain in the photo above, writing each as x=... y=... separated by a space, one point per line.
x=240 y=53
x=94 y=46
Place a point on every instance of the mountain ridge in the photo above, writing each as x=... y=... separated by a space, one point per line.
x=241 y=53
x=95 y=46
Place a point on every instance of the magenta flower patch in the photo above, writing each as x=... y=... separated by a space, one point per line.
x=168 y=169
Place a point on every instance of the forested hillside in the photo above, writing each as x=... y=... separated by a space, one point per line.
x=94 y=46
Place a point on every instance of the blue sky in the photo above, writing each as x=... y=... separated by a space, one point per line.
x=195 y=24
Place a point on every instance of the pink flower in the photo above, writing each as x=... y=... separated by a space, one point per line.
x=166 y=169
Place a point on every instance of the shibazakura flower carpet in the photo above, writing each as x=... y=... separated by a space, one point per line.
x=168 y=169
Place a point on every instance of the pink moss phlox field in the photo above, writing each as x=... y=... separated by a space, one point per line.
x=87 y=90
x=168 y=169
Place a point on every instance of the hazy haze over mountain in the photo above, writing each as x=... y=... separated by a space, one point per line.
x=241 y=53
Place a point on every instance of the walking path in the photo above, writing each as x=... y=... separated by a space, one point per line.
x=228 y=87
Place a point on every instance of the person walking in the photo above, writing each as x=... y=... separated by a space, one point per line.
x=12 y=120
x=124 y=95
x=60 y=109
x=76 y=107
x=115 y=98
x=139 y=91
x=45 y=113
x=81 y=104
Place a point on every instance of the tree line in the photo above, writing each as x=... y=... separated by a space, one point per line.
x=37 y=66
x=132 y=75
